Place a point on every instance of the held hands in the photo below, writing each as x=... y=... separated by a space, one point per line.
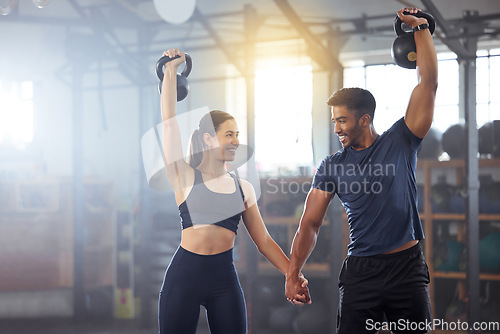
x=296 y=290
x=410 y=20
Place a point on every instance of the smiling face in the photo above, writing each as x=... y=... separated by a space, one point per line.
x=347 y=127
x=226 y=138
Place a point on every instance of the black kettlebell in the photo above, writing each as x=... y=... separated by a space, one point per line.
x=182 y=83
x=404 y=50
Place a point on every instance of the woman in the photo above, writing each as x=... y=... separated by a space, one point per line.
x=202 y=270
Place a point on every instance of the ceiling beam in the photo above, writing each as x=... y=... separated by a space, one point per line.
x=97 y=22
x=454 y=45
x=452 y=28
x=230 y=53
x=322 y=55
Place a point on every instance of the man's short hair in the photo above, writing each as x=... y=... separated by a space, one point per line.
x=358 y=100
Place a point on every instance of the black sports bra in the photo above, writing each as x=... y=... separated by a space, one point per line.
x=203 y=206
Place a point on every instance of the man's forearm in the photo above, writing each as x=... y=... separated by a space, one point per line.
x=426 y=58
x=302 y=247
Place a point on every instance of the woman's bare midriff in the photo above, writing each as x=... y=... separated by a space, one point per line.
x=207 y=239
x=409 y=244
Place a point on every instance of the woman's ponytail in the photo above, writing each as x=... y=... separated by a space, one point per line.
x=195 y=149
x=210 y=124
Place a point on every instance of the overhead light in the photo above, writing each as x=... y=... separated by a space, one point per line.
x=175 y=11
x=41 y=3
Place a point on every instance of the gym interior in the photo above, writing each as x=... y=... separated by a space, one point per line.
x=86 y=227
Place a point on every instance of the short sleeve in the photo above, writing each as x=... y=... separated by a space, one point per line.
x=323 y=179
x=402 y=129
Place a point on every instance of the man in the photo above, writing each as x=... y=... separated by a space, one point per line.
x=384 y=273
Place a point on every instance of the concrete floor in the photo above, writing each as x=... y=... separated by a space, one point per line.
x=58 y=326
x=67 y=326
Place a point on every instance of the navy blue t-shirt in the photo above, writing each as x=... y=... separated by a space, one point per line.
x=377 y=188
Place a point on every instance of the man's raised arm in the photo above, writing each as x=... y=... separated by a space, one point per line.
x=421 y=106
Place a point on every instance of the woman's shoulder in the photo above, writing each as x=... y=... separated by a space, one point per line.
x=245 y=183
x=248 y=191
x=246 y=186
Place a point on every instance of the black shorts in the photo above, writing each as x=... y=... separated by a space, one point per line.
x=384 y=292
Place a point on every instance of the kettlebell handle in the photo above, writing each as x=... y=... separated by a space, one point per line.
x=398 y=23
x=165 y=59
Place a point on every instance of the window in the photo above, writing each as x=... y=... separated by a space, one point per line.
x=283 y=118
x=488 y=86
x=446 y=111
x=392 y=93
x=16 y=114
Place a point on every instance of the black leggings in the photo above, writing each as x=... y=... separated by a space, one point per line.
x=192 y=280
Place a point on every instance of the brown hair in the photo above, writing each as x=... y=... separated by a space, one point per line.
x=358 y=100
x=209 y=123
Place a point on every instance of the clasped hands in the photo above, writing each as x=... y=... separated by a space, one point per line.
x=296 y=290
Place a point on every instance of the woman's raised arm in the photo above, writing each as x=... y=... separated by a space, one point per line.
x=175 y=164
